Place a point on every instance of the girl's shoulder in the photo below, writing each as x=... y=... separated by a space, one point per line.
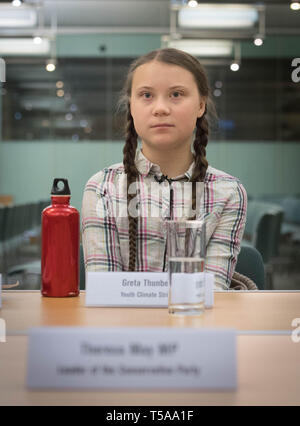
x=108 y=173
x=103 y=181
x=215 y=175
x=223 y=184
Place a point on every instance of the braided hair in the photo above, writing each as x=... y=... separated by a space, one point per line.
x=132 y=175
x=172 y=57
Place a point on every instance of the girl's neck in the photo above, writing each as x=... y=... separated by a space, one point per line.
x=171 y=163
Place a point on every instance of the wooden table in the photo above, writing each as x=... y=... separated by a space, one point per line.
x=268 y=358
x=241 y=310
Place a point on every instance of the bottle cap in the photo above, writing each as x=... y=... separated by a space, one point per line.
x=62 y=189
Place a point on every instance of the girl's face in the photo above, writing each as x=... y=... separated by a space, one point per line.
x=165 y=104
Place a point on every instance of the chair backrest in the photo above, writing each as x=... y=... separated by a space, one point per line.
x=291 y=206
x=250 y=263
x=2 y=221
x=8 y=231
x=263 y=225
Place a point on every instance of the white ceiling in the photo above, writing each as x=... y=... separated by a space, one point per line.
x=152 y=16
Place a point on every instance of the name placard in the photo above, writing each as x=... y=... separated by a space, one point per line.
x=131 y=358
x=134 y=289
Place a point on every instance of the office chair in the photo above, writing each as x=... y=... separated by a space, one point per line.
x=263 y=228
x=250 y=264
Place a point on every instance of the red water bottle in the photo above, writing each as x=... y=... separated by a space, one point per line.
x=60 y=244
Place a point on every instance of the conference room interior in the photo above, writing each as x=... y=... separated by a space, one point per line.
x=62 y=67
x=65 y=122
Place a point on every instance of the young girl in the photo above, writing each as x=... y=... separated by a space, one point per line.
x=167 y=101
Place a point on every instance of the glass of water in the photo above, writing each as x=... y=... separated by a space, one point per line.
x=186 y=246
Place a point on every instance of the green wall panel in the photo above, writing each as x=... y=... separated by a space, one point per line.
x=116 y=45
x=130 y=45
x=273 y=47
x=27 y=169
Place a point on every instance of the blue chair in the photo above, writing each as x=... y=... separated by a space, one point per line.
x=250 y=263
x=2 y=245
x=291 y=225
x=262 y=230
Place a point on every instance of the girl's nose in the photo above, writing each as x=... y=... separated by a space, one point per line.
x=161 y=107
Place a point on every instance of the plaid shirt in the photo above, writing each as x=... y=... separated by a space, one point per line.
x=105 y=222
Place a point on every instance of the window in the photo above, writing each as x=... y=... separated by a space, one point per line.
x=78 y=101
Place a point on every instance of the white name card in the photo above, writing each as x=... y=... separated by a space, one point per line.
x=127 y=289
x=131 y=358
x=135 y=289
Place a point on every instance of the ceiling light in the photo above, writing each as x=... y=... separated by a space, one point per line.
x=24 y=16
x=83 y=123
x=51 y=65
x=234 y=66
x=218 y=16
x=192 y=3
x=258 y=41
x=217 y=93
x=204 y=48
x=17 y=3
x=18 y=116
x=37 y=40
x=23 y=46
x=295 y=5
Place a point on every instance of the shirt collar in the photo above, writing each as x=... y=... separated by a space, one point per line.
x=145 y=167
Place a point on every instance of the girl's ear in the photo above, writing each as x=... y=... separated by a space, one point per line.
x=202 y=107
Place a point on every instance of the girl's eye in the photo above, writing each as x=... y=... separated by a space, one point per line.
x=146 y=95
x=176 y=94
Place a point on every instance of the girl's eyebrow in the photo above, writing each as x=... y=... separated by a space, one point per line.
x=144 y=87
x=178 y=86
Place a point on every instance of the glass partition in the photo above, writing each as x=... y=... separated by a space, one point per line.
x=77 y=102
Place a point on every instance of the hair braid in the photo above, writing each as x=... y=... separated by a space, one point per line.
x=132 y=174
x=130 y=147
x=201 y=162
x=200 y=144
